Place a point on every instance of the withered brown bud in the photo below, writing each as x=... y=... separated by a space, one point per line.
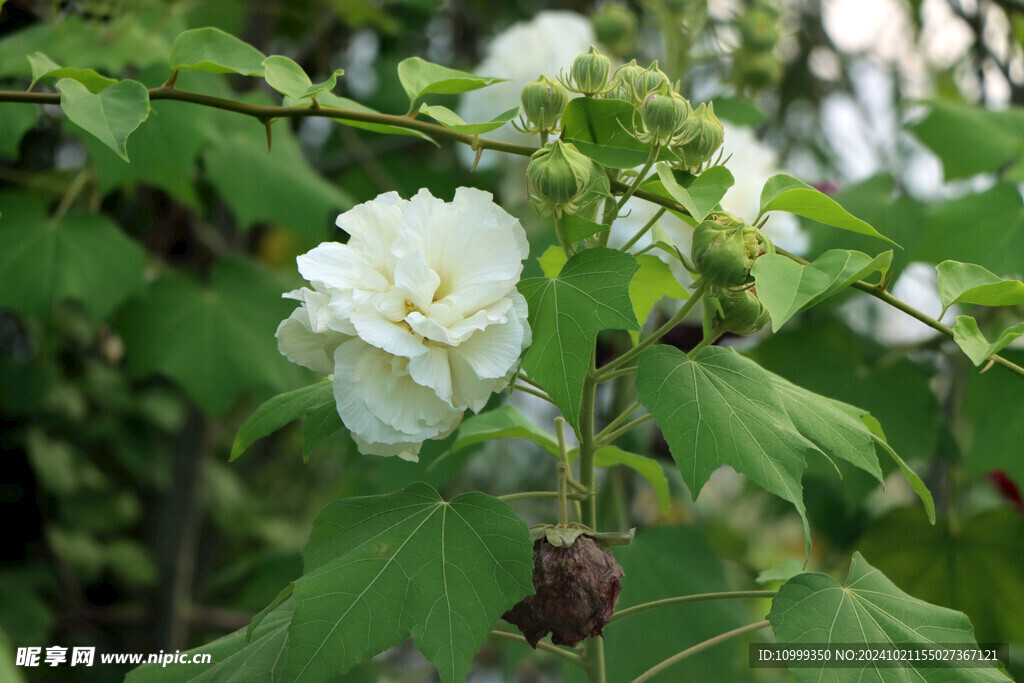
x=576 y=592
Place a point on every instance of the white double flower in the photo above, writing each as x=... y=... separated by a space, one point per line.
x=417 y=316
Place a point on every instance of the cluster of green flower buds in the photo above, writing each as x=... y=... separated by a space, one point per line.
x=703 y=135
x=725 y=248
x=543 y=102
x=633 y=83
x=589 y=73
x=558 y=175
x=755 y=66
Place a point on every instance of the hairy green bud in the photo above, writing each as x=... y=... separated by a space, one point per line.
x=543 y=102
x=589 y=73
x=558 y=175
x=702 y=135
x=663 y=116
x=742 y=312
x=724 y=254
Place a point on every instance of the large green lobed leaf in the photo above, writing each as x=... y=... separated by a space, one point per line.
x=974 y=567
x=234 y=657
x=590 y=294
x=214 y=341
x=381 y=568
x=722 y=408
x=868 y=609
x=83 y=257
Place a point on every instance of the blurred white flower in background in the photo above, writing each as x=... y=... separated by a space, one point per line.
x=417 y=316
x=547 y=44
x=918 y=286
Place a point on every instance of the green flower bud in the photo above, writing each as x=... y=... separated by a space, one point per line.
x=543 y=102
x=651 y=80
x=558 y=174
x=755 y=70
x=759 y=30
x=759 y=26
x=589 y=73
x=615 y=26
x=724 y=254
x=742 y=312
x=663 y=115
x=703 y=135
x=623 y=81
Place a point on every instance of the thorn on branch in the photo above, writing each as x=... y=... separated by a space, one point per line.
x=172 y=79
x=270 y=139
x=479 y=152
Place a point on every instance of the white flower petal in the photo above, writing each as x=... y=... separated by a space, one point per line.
x=493 y=350
x=374 y=328
x=467 y=248
x=378 y=400
x=432 y=370
x=373 y=225
x=405 y=451
x=468 y=388
x=298 y=343
x=416 y=280
x=338 y=266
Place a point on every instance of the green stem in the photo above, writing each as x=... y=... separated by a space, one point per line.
x=563 y=238
x=266 y=112
x=546 y=647
x=685 y=599
x=594 y=655
x=563 y=492
x=74 y=189
x=624 y=429
x=604 y=377
x=699 y=647
x=533 y=392
x=633 y=186
x=657 y=334
x=643 y=231
x=619 y=419
x=888 y=298
x=528 y=495
x=707 y=341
